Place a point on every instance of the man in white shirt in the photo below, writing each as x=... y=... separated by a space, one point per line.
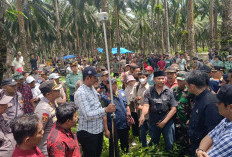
x=18 y=62
x=91 y=113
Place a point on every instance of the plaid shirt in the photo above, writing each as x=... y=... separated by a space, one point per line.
x=25 y=90
x=90 y=110
x=62 y=142
x=221 y=136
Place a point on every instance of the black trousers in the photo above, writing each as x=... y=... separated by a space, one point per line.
x=123 y=136
x=135 y=127
x=91 y=143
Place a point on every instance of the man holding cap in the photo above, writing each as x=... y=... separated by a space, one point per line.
x=72 y=79
x=171 y=81
x=159 y=101
x=7 y=141
x=45 y=110
x=218 y=141
x=91 y=113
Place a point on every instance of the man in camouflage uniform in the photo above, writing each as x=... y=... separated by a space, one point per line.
x=184 y=99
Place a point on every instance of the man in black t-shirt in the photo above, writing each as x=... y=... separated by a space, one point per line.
x=33 y=62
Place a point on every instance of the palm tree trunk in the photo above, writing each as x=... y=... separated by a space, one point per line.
x=215 y=27
x=22 y=34
x=190 y=27
x=152 y=25
x=117 y=35
x=158 y=27
x=3 y=47
x=166 y=26
x=162 y=41
x=211 y=20
x=77 y=33
x=226 y=44
x=59 y=42
x=29 y=38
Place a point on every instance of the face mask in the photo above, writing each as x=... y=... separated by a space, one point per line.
x=143 y=81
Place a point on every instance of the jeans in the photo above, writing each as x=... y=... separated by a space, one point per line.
x=91 y=143
x=143 y=132
x=168 y=133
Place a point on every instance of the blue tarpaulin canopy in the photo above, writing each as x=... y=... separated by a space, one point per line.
x=69 y=56
x=114 y=50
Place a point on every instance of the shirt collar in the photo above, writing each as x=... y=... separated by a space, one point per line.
x=202 y=94
x=164 y=89
x=65 y=131
x=87 y=87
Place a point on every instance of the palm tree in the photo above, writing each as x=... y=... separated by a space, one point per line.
x=59 y=44
x=22 y=34
x=117 y=34
x=190 y=26
x=211 y=19
x=226 y=44
x=3 y=47
x=166 y=25
x=152 y=24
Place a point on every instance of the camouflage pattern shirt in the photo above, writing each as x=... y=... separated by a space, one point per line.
x=185 y=105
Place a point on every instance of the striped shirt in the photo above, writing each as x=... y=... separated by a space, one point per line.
x=222 y=137
x=90 y=110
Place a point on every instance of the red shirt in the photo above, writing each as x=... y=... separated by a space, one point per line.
x=161 y=65
x=27 y=153
x=175 y=84
x=62 y=142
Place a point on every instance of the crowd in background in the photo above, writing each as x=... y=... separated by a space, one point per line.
x=186 y=99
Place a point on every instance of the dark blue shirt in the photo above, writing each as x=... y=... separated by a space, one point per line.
x=204 y=117
x=121 y=103
x=214 y=85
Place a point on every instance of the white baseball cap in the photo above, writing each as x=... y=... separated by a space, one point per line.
x=53 y=76
x=30 y=79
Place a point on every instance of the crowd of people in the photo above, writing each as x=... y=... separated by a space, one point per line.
x=188 y=100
